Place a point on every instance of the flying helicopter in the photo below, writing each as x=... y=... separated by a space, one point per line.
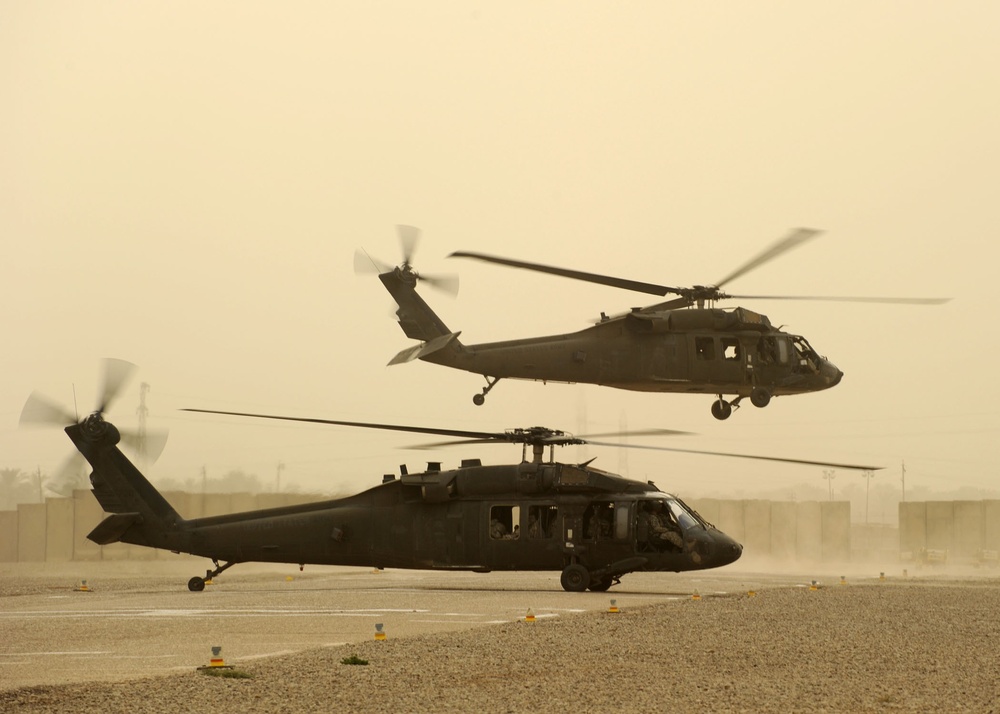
x=590 y=525
x=682 y=345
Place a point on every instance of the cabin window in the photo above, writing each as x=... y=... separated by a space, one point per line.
x=505 y=522
x=542 y=521
x=597 y=520
x=730 y=348
x=704 y=347
x=621 y=521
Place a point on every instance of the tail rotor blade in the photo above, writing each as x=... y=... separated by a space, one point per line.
x=409 y=236
x=365 y=264
x=40 y=410
x=445 y=283
x=149 y=447
x=116 y=374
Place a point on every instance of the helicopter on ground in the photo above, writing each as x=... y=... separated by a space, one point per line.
x=683 y=345
x=591 y=525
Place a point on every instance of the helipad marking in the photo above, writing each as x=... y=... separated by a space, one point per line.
x=278 y=653
x=69 y=653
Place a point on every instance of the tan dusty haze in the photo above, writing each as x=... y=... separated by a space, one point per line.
x=184 y=185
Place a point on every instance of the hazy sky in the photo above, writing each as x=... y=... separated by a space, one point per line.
x=183 y=185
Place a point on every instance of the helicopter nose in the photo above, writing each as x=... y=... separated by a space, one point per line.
x=830 y=374
x=731 y=551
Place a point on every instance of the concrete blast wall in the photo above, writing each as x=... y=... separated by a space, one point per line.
x=805 y=530
x=56 y=531
x=962 y=531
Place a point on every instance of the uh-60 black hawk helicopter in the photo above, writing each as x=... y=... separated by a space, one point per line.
x=683 y=345
x=590 y=525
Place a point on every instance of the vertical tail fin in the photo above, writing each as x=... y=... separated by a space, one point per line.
x=416 y=318
x=140 y=514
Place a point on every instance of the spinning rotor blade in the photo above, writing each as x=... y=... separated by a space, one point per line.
x=40 y=410
x=559 y=439
x=634 y=285
x=388 y=427
x=116 y=374
x=534 y=435
x=149 y=447
x=779 y=459
x=884 y=300
x=445 y=283
x=364 y=263
x=409 y=236
x=796 y=238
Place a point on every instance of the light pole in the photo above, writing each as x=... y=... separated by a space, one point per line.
x=829 y=475
x=867 y=476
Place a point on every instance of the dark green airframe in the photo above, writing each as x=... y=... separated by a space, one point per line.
x=683 y=345
x=592 y=526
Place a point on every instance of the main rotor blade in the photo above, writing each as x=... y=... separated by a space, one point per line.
x=884 y=300
x=39 y=409
x=634 y=285
x=366 y=425
x=796 y=238
x=116 y=374
x=577 y=440
x=779 y=459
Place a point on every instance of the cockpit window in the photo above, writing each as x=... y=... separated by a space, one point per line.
x=691 y=512
x=685 y=519
x=806 y=355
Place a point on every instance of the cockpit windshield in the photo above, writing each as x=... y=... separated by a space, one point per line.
x=685 y=516
x=685 y=519
x=807 y=357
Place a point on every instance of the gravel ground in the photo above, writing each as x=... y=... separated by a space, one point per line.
x=913 y=645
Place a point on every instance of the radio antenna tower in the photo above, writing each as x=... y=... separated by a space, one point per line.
x=140 y=445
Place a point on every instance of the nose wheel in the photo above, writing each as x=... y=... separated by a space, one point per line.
x=760 y=397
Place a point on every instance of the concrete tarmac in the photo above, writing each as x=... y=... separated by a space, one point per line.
x=138 y=619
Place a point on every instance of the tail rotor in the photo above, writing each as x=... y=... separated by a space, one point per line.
x=409 y=238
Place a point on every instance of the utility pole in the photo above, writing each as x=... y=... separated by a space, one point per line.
x=829 y=475
x=277 y=480
x=903 y=479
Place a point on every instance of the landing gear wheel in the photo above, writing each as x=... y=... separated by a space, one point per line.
x=479 y=399
x=760 y=397
x=721 y=409
x=601 y=585
x=196 y=584
x=575 y=578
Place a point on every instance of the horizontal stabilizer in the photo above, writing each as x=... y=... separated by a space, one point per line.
x=112 y=528
x=425 y=348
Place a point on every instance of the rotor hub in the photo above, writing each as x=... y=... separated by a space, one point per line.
x=94 y=427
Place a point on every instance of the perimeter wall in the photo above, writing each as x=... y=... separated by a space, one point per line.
x=961 y=532
x=56 y=531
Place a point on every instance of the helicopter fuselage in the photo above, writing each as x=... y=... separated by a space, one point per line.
x=591 y=525
x=654 y=349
